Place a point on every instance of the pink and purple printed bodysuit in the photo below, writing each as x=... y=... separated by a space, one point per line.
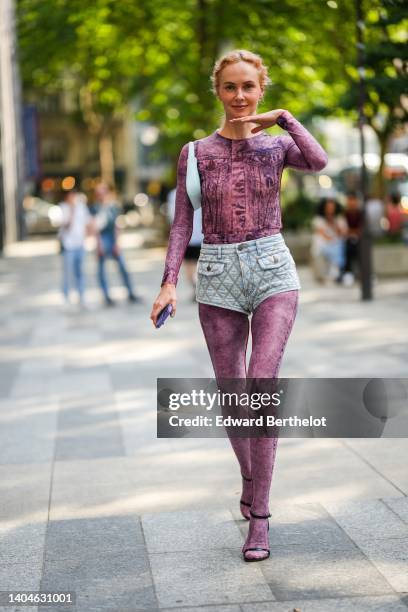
x=240 y=186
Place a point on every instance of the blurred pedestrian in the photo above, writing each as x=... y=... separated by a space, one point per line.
x=75 y=223
x=194 y=246
x=328 y=241
x=354 y=218
x=395 y=216
x=106 y=210
x=374 y=216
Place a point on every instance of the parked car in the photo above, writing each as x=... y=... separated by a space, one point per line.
x=37 y=215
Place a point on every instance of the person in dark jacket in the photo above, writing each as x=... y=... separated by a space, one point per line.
x=106 y=211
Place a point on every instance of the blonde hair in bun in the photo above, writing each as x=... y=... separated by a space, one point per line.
x=239 y=55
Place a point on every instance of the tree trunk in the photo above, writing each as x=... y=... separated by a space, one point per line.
x=204 y=37
x=101 y=127
x=106 y=160
x=379 y=180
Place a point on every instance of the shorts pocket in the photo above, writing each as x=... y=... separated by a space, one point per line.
x=210 y=268
x=278 y=261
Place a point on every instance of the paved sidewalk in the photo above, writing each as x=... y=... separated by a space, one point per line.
x=92 y=501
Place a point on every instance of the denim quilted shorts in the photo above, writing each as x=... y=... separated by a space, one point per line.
x=240 y=275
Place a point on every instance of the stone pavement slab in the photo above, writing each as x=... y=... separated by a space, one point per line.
x=8 y=373
x=99 y=500
x=91 y=499
x=88 y=431
x=383 y=603
x=307 y=470
x=390 y=557
x=386 y=458
x=322 y=570
x=399 y=505
x=304 y=525
x=221 y=608
x=95 y=536
x=197 y=531
x=21 y=576
x=218 y=576
x=22 y=543
x=28 y=429
x=108 y=582
x=25 y=501
x=369 y=519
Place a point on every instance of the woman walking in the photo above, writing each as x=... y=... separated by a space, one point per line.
x=244 y=266
x=329 y=241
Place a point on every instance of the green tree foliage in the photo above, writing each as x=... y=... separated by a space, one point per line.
x=386 y=76
x=160 y=55
x=88 y=48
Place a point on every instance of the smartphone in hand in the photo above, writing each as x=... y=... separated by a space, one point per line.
x=167 y=310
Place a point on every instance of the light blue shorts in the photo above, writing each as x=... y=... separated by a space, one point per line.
x=239 y=276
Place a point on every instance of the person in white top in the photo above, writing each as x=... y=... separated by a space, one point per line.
x=328 y=241
x=76 y=223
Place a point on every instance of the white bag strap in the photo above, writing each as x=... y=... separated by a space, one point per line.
x=193 y=183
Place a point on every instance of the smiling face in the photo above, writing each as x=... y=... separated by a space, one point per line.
x=239 y=89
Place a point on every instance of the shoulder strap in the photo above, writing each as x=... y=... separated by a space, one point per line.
x=193 y=183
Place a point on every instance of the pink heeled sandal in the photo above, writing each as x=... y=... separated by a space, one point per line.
x=257 y=548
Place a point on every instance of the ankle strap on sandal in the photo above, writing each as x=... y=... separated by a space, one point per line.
x=259 y=516
x=247 y=479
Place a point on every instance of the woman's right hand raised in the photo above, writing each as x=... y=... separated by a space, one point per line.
x=166 y=296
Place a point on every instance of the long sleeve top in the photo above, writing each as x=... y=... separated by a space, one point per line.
x=240 y=186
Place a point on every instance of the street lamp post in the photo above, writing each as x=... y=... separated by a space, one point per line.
x=365 y=241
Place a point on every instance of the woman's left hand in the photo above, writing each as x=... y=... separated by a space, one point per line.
x=264 y=120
